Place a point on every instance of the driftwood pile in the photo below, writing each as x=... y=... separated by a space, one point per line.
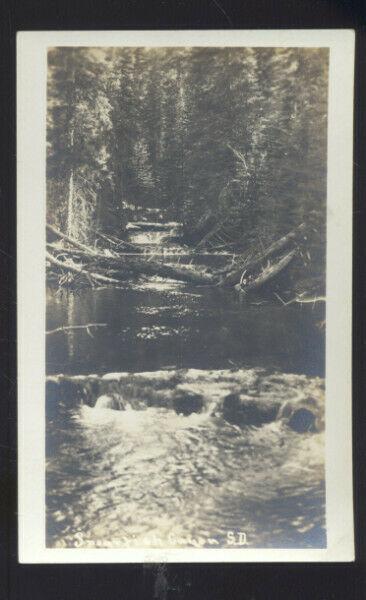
x=68 y=257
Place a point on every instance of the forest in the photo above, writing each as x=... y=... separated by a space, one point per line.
x=228 y=142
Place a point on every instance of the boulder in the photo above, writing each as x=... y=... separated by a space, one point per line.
x=303 y=415
x=186 y=402
x=240 y=409
x=302 y=420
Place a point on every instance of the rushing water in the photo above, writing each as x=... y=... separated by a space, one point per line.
x=154 y=473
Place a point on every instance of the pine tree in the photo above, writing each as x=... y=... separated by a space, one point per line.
x=78 y=162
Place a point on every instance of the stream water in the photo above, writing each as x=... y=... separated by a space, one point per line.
x=153 y=474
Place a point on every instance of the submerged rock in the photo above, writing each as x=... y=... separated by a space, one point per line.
x=240 y=409
x=186 y=402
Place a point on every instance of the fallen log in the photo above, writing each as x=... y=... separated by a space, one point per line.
x=235 y=272
x=104 y=237
x=67 y=328
x=268 y=273
x=70 y=240
x=121 y=268
x=120 y=243
x=96 y=264
x=180 y=273
x=88 y=256
x=153 y=226
x=118 y=267
x=141 y=266
x=79 y=270
x=117 y=243
x=139 y=255
x=301 y=299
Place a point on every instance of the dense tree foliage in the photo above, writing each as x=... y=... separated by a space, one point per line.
x=225 y=138
x=79 y=165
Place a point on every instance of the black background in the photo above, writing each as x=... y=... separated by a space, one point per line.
x=164 y=582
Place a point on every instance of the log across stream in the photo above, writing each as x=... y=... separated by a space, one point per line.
x=100 y=267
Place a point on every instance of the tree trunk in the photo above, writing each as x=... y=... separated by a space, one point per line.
x=70 y=124
x=70 y=205
x=268 y=273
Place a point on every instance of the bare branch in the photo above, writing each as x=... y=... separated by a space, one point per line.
x=72 y=327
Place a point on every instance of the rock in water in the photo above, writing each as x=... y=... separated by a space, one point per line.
x=186 y=402
x=244 y=410
x=302 y=420
x=113 y=401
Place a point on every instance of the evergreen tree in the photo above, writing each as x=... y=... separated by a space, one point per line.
x=78 y=161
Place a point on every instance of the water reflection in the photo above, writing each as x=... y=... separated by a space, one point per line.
x=160 y=323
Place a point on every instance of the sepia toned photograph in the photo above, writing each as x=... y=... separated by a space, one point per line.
x=186 y=195
x=186 y=317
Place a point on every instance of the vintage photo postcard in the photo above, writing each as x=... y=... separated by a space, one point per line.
x=184 y=296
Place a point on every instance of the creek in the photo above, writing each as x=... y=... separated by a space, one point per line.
x=153 y=474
